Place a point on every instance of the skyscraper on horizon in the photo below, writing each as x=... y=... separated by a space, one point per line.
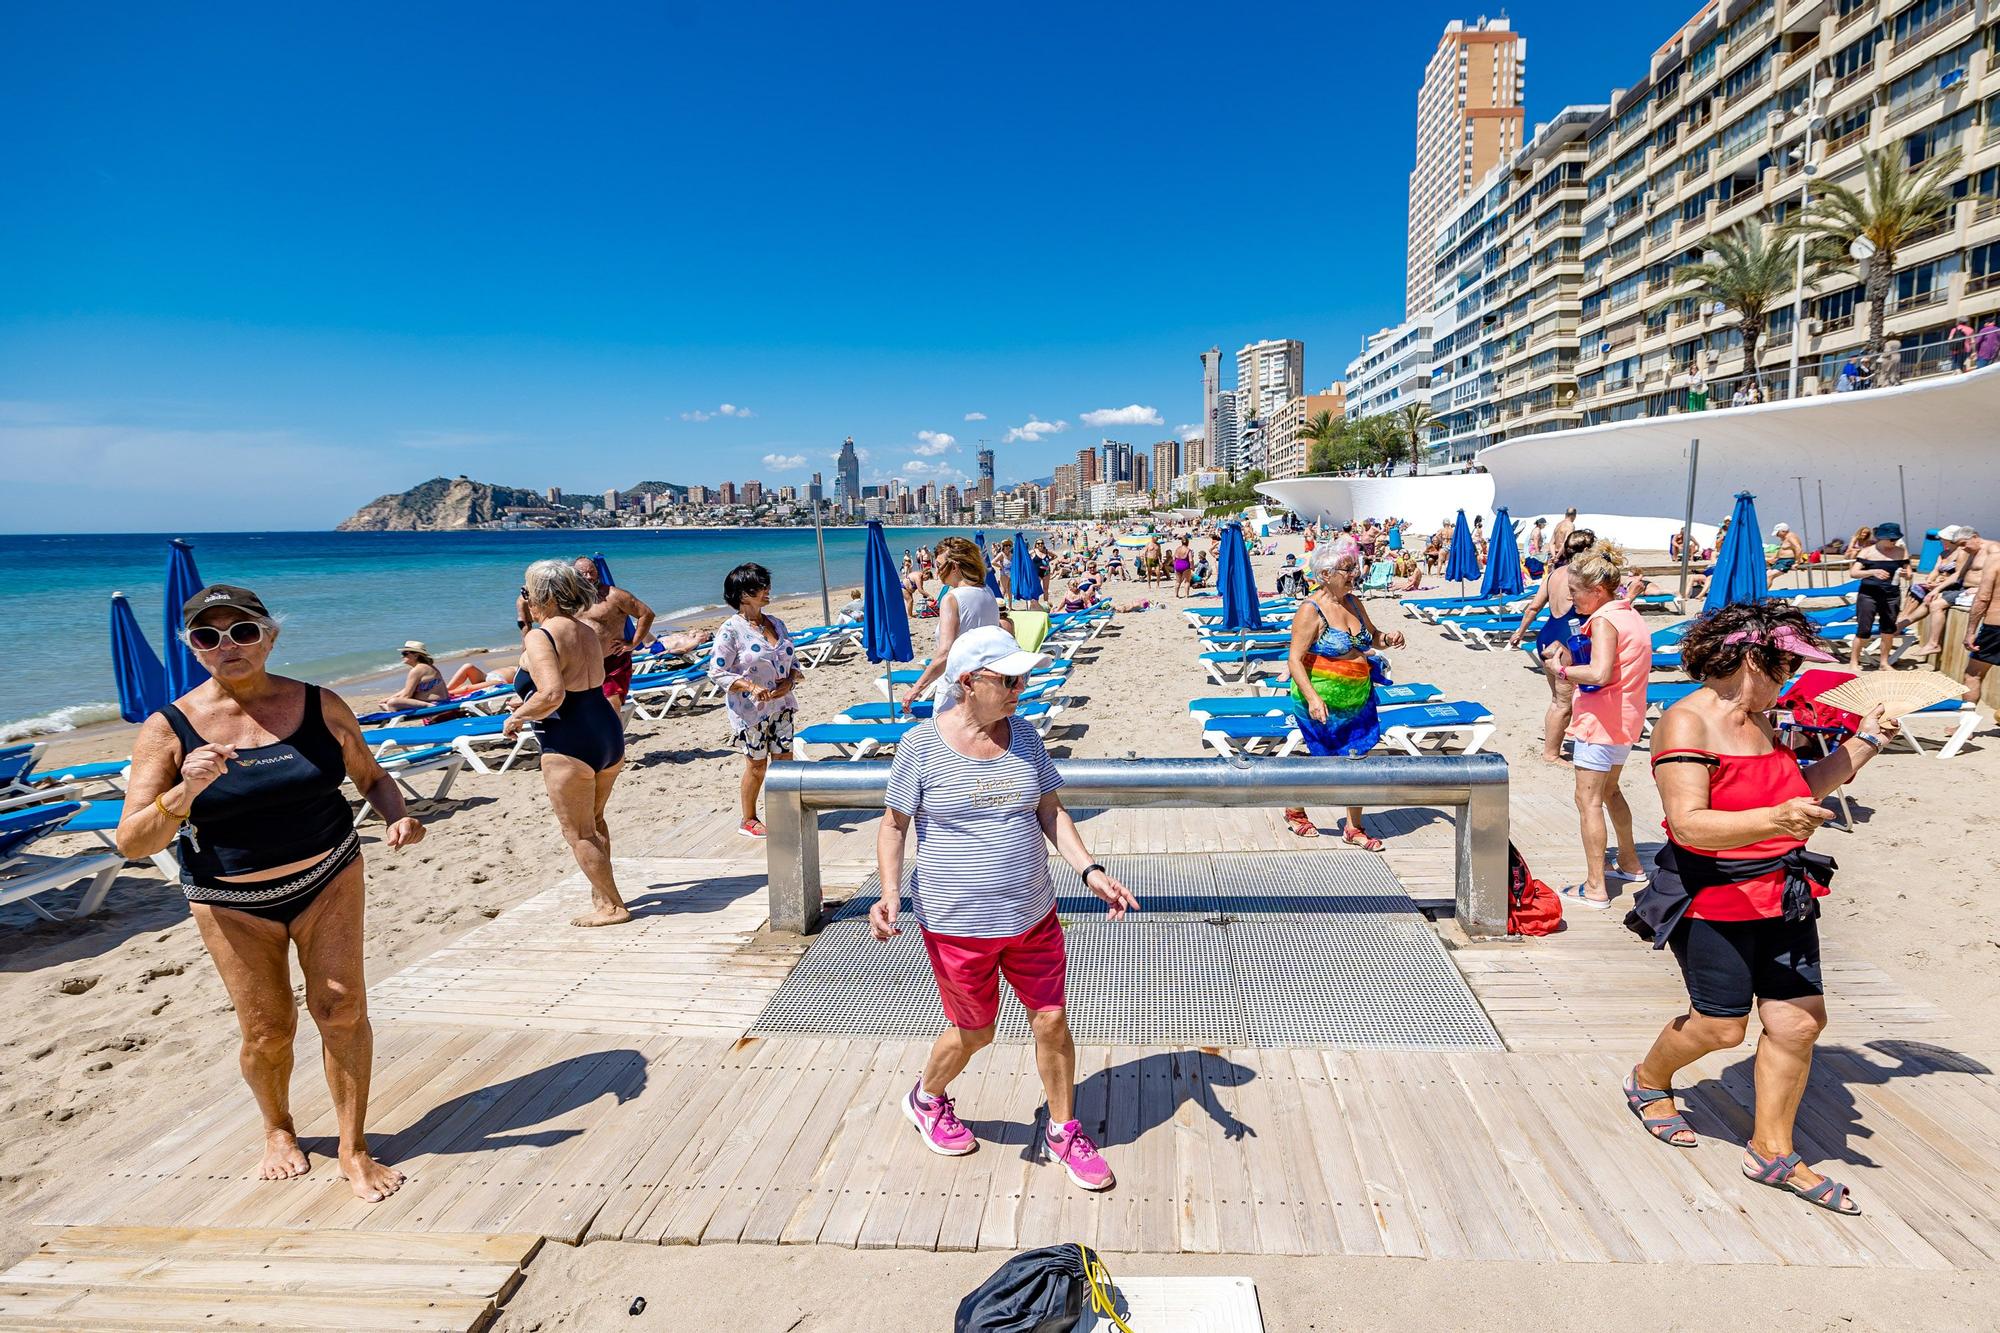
x=1469 y=119
x=1211 y=385
x=847 y=477
x=985 y=474
x=1086 y=467
x=1222 y=434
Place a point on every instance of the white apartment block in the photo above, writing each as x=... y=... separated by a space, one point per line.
x=1267 y=373
x=1393 y=369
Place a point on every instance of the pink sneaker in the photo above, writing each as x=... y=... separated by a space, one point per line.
x=943 y=1133
x=751 y=828
x=1079 y=1156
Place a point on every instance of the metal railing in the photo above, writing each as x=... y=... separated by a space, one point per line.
x=1476 y=785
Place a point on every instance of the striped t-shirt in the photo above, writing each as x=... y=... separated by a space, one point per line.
x=982 y=862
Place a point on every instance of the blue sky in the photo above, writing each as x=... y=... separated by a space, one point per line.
x=262 y=263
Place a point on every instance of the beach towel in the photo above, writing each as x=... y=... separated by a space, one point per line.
x=1346 y=685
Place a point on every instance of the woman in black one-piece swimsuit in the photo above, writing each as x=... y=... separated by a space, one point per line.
x=242 y=775
x=561 y=683
x=1879 y=599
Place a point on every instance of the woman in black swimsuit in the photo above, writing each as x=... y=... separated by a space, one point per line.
x=561 y=683
x=1879 y=599
x=242 y=774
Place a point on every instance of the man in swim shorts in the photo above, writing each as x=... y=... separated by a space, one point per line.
x=1982 y=640
x=608 y=616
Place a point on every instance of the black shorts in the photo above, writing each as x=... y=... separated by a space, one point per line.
x=1872 y=604
x=1728 y=964
x=1986 y=647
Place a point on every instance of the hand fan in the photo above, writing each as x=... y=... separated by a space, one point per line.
x=1898 y=692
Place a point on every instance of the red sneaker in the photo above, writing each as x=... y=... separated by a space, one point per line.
x=751 y=828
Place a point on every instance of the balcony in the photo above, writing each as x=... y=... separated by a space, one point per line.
x=1853 y=136
x=1838 y=324
x=1984 y=282
x=1803 y=49
x=1853 y=17
x=1903 y=305
x=1747 y=91
x=1854 y=76
x=1931 y=25
x=1745 y=41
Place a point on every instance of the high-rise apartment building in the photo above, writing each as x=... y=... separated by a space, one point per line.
x=1469 y=119
x=1063 y=488
x=1166 y=464
x=1086 y=468
x=1223 y=433
x=986 y=474
x=1268 y=373
x=847 y=477
x=1211 y=389
x=1394 y=368
x=1194 y=454
x=1117 y=461
x=728 y=493
x=1286 y=443
x=611 y=501
x=817 y=491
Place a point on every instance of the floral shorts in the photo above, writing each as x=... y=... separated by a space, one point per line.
x=766 y=739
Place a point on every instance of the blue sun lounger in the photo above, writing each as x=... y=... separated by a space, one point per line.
x=1410 y=728
x=464 y=736
x=100 y=819
x=24 y=874
x=1247 y=661
x=1262 y=705
x=471 y=703
x=850 y=740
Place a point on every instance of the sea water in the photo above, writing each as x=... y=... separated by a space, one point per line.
x=347 y=600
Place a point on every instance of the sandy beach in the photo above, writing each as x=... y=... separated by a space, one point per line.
x=99 y=1015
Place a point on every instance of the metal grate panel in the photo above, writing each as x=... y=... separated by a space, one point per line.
x=1256 y=949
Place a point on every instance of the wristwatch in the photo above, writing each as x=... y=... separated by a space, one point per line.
x=1871 y=740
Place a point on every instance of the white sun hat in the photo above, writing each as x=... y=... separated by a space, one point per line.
x=988 y=648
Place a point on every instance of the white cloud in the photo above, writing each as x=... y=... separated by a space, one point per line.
x=934 y=442
x=725 y=410
x=975 y=416
x=1034 y=431
x=784 y=462
x=1133 y=415
x=1189 y=431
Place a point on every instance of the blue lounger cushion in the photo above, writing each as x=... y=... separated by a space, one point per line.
x=18 y=828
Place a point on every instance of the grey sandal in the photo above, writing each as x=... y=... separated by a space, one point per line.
x=1638 y=1099
x=1776 y=1172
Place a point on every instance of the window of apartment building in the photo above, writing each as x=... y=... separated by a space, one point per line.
x=1922 y=14
x=1921 y=280
x=1851 y=121
x=1744 y=132
x=1593 y=305
x=1856 y=55
x=1940 y=138
x=1695 y=160
x=1632 y=116
x=1626 y=246
x=1748 y=19
x=1838 y=306
x=1661 y=226
x=1746 y=75
x=1926 y=79
x=1982 y=266
x=1665 y=136
x=1703 y=63
x=1669 y=84
x=1626 y=290
x=1842 y=8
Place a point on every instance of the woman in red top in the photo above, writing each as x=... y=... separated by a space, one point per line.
x=1739 y=810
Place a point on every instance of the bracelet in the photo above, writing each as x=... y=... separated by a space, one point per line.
x=160 y=804
x=1872 y=741
x=1089 y=870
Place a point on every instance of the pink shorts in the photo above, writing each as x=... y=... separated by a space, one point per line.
x=968 y=971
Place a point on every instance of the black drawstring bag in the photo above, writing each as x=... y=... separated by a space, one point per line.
x=1039 y=1291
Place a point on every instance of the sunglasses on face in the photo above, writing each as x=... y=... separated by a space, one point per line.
x=207 y=638
x=1006 y=682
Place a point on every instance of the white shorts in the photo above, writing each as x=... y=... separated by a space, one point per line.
x=1958 y=597
x=1595 y=758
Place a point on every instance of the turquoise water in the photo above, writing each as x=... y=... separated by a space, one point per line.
x=348 y=599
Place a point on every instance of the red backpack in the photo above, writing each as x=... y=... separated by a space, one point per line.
x=1532 y=906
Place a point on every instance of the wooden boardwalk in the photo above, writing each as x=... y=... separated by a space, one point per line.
x=532 y=1079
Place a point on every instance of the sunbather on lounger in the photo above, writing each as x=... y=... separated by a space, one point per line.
x=423 y=686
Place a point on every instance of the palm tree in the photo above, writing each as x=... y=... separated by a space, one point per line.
x=1895 y=204
x=1413 y=422
x=1320 y=434
x=1752 y=268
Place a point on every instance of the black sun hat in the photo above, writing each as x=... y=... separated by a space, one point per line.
x=221 y=594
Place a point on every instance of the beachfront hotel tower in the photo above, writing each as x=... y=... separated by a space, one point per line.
x=847 y=477
x=1469 y=118
x=1211 y=388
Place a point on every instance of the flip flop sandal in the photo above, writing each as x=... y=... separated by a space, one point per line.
x=1626 y=876
x=1638 y=1099
x=1575 y=894
x=1356 y=838
x=1776 y=1172
x=1302 y=825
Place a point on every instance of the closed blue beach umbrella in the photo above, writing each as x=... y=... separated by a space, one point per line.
x=1739 y=565
x=142 y=681
x=885 y=625
x=604 y=580
x=992 y=584
x=1396 y=537
x=1462 y=562
x=1027 y=583
x=1932 y=551
x=183 y=673
x=1503 y=560
x=1240 y=608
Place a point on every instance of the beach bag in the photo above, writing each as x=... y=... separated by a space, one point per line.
x=1041 y=1291
x=1532 y=906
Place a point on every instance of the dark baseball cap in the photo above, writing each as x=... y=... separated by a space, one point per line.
x=222 y=594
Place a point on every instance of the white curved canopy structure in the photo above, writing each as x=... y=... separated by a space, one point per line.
x=1425 y=502
x=1943 y=433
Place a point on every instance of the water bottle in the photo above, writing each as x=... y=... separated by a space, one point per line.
x=1579 y=655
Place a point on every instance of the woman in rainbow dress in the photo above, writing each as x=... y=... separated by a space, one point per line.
x=1334 y=675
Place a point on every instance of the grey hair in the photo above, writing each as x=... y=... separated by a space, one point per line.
x=1327 y=557
x=556 y=583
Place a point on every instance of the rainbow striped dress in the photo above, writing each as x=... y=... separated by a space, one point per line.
x=1343 y=676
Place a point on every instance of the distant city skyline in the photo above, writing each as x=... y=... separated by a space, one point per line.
x=407 y=264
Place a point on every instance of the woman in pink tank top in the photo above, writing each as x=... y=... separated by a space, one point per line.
x=1608 y=714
